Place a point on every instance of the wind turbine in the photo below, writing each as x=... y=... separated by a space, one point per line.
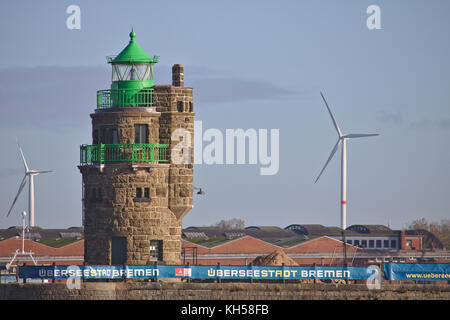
x=342 y=140
x=29 y=176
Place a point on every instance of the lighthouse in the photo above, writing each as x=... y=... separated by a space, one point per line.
x=136 y=191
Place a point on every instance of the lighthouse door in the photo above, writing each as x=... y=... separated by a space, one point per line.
x=118 y=250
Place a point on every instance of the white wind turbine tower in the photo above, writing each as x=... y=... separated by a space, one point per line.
x=29 y=176
x=342 y=140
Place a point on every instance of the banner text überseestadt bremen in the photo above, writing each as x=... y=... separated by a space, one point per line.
x=193 y=272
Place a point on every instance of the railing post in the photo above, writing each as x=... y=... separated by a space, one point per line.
x=24 y=273
x=152 y=152
x=102 y=153
x=132 y=153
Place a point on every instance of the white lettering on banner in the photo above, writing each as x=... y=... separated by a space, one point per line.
x=329 y=274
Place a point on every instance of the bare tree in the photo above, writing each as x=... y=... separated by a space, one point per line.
x=233 y=223
x=440 y=229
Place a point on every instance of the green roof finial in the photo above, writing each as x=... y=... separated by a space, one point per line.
x=132 y=34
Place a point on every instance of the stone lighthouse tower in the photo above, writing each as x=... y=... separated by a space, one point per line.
x=135 y=189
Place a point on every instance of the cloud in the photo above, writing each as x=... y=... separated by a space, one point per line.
x=49 y=96
x=427 y=124
x=65 y=96
x=216 y=86
x=390 y=117
x=220 y=90
x=7 y=172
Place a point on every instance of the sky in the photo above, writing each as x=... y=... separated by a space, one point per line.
x=252 y=64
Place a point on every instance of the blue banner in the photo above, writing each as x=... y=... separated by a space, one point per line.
x=194 y=272
x=417 y=272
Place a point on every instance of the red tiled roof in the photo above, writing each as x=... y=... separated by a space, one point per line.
x=9 y=246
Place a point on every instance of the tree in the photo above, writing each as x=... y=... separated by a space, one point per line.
x=441 y=230
x=233 y=223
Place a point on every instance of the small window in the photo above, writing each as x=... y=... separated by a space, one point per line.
x=378 y=243
x=156 y=250
x=138 y=192
x=140 y=133
x=191 y=108
x=393 y=244
x=356 y=242
x=371 y=243
x=147 y=193
x=364 y=243
x=118 y=250
x=385 y=243
x=114 y=136
x=180 y=106
x=349 y=241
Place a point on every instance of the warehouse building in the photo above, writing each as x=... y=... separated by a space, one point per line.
x=306 y=244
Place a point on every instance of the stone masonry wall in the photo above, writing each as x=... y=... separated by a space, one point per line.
x=222 y=291
x=120 y=213
x=167 y=99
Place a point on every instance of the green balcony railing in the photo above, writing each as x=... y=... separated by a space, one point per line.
x=124 y=98
x=114 y=153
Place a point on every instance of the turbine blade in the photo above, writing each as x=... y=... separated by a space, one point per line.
x=358 y=135
x=329 y=158
x=42 y=171
x=23 y=157
x=332 y=117
x=24 y=181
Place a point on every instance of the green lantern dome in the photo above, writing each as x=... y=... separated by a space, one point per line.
x=132 y=77
x=133 y=53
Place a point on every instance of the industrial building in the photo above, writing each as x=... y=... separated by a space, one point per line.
x=305 y=244
x=311 y=244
